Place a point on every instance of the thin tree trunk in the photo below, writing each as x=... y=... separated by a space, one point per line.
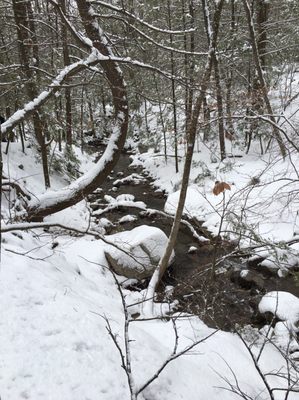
x=82 y=120
x=229 y=76
x=9 y=136
x=206 y=119
x=162 y=121
x=219 y=107
x=175 y=129
x=217 y=82
x=163 y=264
x=191 y=64
x=55 y=201
x=261 y=78
x=26 y=34
x=261 y=19
x=67 y=61
x=91 y=119
x=228 y=101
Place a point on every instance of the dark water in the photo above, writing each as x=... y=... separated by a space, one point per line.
x=219 y=302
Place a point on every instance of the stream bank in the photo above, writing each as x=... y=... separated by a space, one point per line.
x=229 y=300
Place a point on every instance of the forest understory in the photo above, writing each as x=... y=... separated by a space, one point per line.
x=149 y=200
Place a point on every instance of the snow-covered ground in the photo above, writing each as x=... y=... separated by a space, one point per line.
x=260 y=208
x=55 y=300
x=58 y=297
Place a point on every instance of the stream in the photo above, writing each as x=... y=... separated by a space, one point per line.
x=223 y=302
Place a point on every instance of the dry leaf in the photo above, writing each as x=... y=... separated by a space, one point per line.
x=220 y=187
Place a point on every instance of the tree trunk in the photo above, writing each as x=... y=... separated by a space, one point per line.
x=67 y=61
x=55 y=201
x=175 y=129
x=261 y=78
x=163 y=264
x=229 y=74
x=27 y=42
x=261 y=19
x=219 y=107
x=217 y=81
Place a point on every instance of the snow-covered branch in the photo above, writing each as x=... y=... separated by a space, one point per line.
x=141 y=21
x=151 y=40
x=54 y=86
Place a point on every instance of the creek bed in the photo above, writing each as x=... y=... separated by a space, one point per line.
x=220 y=302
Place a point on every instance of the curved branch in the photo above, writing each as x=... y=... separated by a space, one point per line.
x=151 y=40
x=54 y=201
x=43 y=97
x=141 y=21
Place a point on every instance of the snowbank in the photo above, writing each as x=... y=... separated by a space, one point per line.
x=54 y=343
x=283 y=305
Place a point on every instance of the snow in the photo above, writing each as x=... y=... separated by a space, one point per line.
x=192 y=249
x=143 y=247
x=192 y=202
x=55 y=344
x=133 y=178
x=284 y=305
x=56 y=290
x=244 y=273
x=123 y=200
x=127 y=218
x=261 y=207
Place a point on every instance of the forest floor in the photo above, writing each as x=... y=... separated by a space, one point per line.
x=62 y=315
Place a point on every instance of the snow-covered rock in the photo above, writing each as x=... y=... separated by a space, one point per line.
x=133 y=179
x=192 y=250
x=127 y=218
x=283 y=305
x=138 y=251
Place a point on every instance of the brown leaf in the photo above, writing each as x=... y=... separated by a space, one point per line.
x=220 y=187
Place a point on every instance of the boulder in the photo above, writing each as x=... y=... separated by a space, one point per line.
x=138 y=251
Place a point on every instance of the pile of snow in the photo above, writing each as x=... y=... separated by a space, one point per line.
x=283 y=305
x=127 y=218
x=133 y=179
x=137 y=252
x=192 y=202
x=123 y=200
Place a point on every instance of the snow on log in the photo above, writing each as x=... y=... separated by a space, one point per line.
x=54 y=86
x=54 y=201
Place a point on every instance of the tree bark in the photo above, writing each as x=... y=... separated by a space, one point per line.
x=27 y=42
x=163 y=264
x=67 y=61
x=219 y=107
x=219 y=96
x=55 y=201
x=263 y=86
x=175 y=128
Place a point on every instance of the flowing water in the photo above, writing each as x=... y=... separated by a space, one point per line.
x=222 y=302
